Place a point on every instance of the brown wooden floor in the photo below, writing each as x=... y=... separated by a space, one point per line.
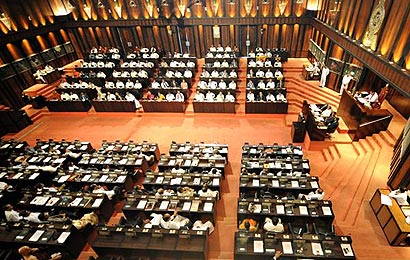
x=349 y=172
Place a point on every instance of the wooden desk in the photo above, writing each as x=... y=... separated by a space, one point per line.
x=316 y=130
x=130 y=147
x=339 y=247
x=362 y=121
x=289 y=211
x=163 y=106
x=188 y=148
x=296 y=167
x=391 y=219
x=114 y=106
x=151 y=243
x=192 y=207
x=272 y=151
x=17 y=235
x=266 y=107
x=68 y=106
x=214 y=107
x=34 y=90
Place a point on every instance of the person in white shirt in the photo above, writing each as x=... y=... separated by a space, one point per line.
x=155 y=84
x=143 y=74
x=119 y=84
x=179 y=96
x=273 y=225
x=65 y=96
x=133 y=74
x=224 y=64
x=232 y=85
x=164 y=84
x=220 y=97
x=323 y=77
x=74 y=96
x=110 y=96
x=212 y=84
x=260 y=74
x=233 y=74
x=267 y=63
x=252 y=64
x=170 y=97
x=250 y=85
x=261 y=84
x=129 y=84
x=207 y=192
x=215 y=74
x=210 y=96
x=250 y=96
x=137 y=84
x=101 y=74
x=269 y=74
x=177 y=169
x=188 y=74
x=278 y=75
x=109 y=84
x=270 y=84
x=202 y=84
x=222 y=84
x=401 y=196
x=199 y=225
x=10 y=214
x=345 y=82
x=270 y=97
x=131 y=97
x=199 y=96
x=190 y=64
x=372 y=98
x=318 y=194
x=280 y=97
x=229 y=97
x=217 y=64
x=174 y=222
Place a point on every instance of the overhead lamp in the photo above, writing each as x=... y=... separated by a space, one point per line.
x=215 y=6
x=5 y=20
x=133 y=4
x=150 y=8
x=181 y=7
x=248 y=7
x=100 y=4
x=118 y=8
x=87 y=10
x=282 y=6
x=299 y=2
x=164 y=3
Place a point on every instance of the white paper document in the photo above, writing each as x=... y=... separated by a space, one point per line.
x=75 y=202
x=36 y=236
x=287 y=247
x=347 y=250
x=208 y=206
x=280 y=209
x=314 y=184
x=385 y=200
x=141 y=204
x=63 y=237
x=258 y=246
x=303 y=210
x=97 y=203
x=327 y=211
x=317 y=248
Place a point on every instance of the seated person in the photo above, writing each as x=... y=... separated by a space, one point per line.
x=229 y=97
x=401 y=195
x=34 y=217
x=199 y=225
x=200 y=97
x=95 y=188
x=139 y=189
x=10 y=214
x=318 y=194
x=35 y=254
x=175 y=221
x=185 y=191
x=273 y=225
x=177 y=169
x=251 y=97
x=248 y=224
x=332 y=124
x=89 y=218
x=207 y=192
x=164 y=192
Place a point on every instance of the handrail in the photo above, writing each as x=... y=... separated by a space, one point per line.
x=374 y=121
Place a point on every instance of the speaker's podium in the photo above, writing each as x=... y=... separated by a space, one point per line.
x=298 y=130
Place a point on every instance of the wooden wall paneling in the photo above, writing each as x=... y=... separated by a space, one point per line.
x=224 y=35
x=277 y=37
x=348 y=21
x=360 y=21
x=342 y=15
x=400 y=102
x=287 y=36
x=253 y=34
x=76 y=45
x=232 y=35
x=208 y=36
x=402 y=45
x=354 y=18
x=270 y=36
x=80 y=40
x=307 y=35
x=99 y=37
x=11 y=92
x=200 y=41
x=264 y=36
x=88 y=38
x=294 y=33
x=165 y=44
x=398 y=29
x=94 y=41
x=127 y=38
x=392 y=22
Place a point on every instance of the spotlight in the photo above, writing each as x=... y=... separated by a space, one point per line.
x=133 y=4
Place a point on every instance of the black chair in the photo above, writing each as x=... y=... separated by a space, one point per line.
x=299 y=228
x=326 y=230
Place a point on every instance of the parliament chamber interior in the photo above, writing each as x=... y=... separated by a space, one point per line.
x=204 y=129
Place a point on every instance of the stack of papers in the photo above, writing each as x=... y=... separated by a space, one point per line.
x=208 y=206
x=287 y=248
x=63 y=237
x=36 y=236
x=97 y=203
x=258 y=246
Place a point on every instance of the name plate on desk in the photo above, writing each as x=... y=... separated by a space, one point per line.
x=317 y=248
x=287 y=247
x=347 y=249
x=36 y=236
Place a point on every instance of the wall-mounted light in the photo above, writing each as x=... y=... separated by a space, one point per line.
x=282 y=6
x=5 y=20
x=181 y=7
x=133 y=4
x=100 y=4
x=150 y=8
x=87 y=10
x=118 y=8
x=248 y=7
x=215 y=6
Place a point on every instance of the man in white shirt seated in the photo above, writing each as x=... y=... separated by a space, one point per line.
x=137 y=84
x=131 y=97
x=101 y=74
x=155 y=84
x=202 y=84
x=199 y=96
x=210 y=96
x=143 y=74
x=125 y=74
x=188 y=74
x=259 y=63
x=212 y=48
x=224 y=64
x=222 y=84
x=232 y=85
x=270 y=97
x=209 y=55
x=116 y=73
x=268 y=63
x=207 y=192
x=280 y=97
x=164 y=84
x=190 y=64
x=217 y=64
x=74 y=96
x=175 y=221
x=100 y=64
x=170 y=97
x=178 y=74
x=179 y=97
x=65 y=96
x=129 y=84
x=109 y=64
x=270 y=84
x=212 y=84
x=233 y=74
x=269 y=74
x=318 y=194
x=110 y=96
x=133 y=74
x=260 y=74
x=273 y=225
x=278 y=75
x=261 y=85
x=10 y=214
x=252 y=64
x=182 y=64
x=401 y=195
x=199 y=225
x=220 y=97
x=250 y=96
x=169 y=74
x=119 y=84
x=277 y=64
x=229 y=97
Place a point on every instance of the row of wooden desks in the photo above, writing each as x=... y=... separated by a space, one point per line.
x=151 y=243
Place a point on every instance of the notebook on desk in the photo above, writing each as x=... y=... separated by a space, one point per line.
x=36 y=236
